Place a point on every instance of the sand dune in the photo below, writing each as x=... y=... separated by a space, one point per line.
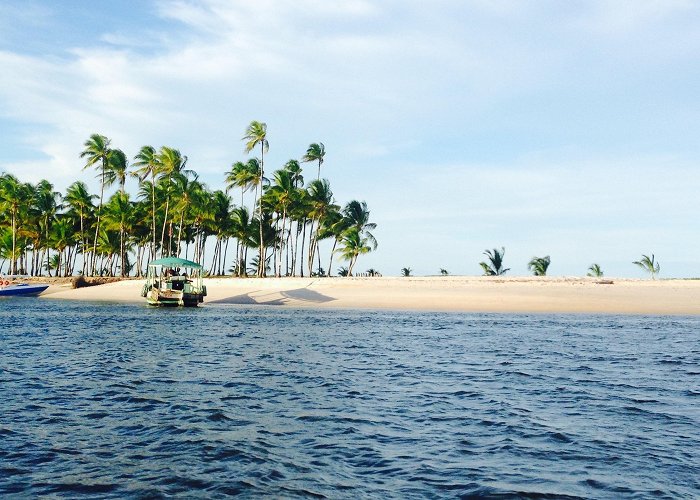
x=451 y=293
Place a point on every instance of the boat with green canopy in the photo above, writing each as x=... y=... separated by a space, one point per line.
x=173 y=281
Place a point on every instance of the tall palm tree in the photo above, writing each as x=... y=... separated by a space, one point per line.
x=120 y=216
x=46 y=204
x=334 y=225
x=494 y=267
x=172 y=162
x=79 y=200
x=282 y=193
x=649 y=264
x=539 y=265
x=97 y=153
x=321 y=202
x=148 y=165
x=315 y=152
x=256 y=134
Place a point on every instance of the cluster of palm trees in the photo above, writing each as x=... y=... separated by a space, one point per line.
x=175 y=214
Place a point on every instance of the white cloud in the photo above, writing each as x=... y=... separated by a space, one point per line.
x=378 y=82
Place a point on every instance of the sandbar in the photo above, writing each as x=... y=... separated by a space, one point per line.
x=437 y=293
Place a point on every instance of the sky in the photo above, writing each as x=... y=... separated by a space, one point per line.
x=569 y=129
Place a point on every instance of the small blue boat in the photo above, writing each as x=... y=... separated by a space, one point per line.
x=24 y=289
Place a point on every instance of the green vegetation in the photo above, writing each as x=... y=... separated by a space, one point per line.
x=406 y=271
x=595 y=271
x=539 y=265
x=494 y=266
x=649 y=265
x=175 y=214
x=444 y=272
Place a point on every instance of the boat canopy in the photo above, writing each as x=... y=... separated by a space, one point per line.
x=174 y=262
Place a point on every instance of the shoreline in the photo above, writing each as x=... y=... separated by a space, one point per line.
x=527 y=294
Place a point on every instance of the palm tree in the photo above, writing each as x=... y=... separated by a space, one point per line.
x=241 y=230
x=495 y=265
x=321 y=202
x=244 y=176
x=539 y=265
x=172 y=162
x=595 y=271
x=406 y=272
x=649 y=265
x=315 y=152
x=120 y=215
x=97 y=152
x=15 y=198
x=444 y=272
x=117 y=169
x=256 y=134
x=148 y=163
x=79 y=200
x=61 y=237
x=282 y=193
x=353 y=245
x=357 y=214
x=46 y=204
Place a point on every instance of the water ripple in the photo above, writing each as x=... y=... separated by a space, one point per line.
x=115 y=401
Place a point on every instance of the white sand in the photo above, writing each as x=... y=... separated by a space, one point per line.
x=451 y=293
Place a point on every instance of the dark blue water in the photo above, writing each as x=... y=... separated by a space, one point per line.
x=104 y=401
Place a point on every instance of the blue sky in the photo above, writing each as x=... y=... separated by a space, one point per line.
x=569 y=129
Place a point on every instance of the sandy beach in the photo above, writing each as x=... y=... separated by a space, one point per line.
x=451 y=293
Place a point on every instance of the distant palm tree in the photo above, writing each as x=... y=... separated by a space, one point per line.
x=495 y=265
x=316 y=152
x=649 y=265
x=595 y=271
x=406 y=271
x=444 y=272
x=539 y=265
x=256 y=134
x=343 y=271
x=373 y=272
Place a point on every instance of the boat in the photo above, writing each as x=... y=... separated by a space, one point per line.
x=12 y=289
x=173 y=281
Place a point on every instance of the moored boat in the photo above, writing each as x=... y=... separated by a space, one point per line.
x=12 y=289
x=173 y=281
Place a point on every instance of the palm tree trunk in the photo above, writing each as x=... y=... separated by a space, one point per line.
x=153 y=213
x=261 y=258
x=165 y=219
x=330 y=261
x=99 y=213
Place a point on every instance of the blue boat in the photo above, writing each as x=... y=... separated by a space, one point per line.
x=8 y=289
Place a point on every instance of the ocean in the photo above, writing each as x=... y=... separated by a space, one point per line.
x=125 y=401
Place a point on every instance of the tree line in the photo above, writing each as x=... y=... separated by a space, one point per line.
x=175 y=214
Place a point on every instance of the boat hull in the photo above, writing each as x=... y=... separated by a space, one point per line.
x=22 y=290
